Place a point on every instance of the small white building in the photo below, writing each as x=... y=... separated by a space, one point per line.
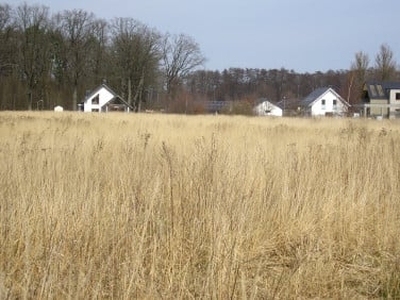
x=104 y=99
x=324 y=101
x=267 y=108
x=58 y=108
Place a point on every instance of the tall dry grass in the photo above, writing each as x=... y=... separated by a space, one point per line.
x=154 y=206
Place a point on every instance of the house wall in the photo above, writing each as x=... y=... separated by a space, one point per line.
x=318 y=109
x=394 y=98
x=394 y=94
x=104 y=96
x=268 y=109
x=378 y=111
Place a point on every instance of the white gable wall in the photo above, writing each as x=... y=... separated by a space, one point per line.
x=394 y=95
x=104 y=96
x=394 y=98
x=320 y=109
x=266 y=108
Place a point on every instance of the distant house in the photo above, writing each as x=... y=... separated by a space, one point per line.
x=324 y=101
x=381 y=99
x=267 y=108
x=104 y=99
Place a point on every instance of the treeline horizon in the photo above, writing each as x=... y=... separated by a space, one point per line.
x=55 y=59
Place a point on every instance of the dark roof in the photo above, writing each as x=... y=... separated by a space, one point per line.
x=380 y=89
x=314 y=95
x=114 y=100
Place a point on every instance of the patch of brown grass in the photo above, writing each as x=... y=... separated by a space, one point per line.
x=160 y=206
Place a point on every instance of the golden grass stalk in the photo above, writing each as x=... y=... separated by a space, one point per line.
x=159 y=206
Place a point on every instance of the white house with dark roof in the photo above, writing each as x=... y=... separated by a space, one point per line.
x=104 y=99
x=324 y=101
x=267 y=108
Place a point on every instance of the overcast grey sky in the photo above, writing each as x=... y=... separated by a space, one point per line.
x=303 y=35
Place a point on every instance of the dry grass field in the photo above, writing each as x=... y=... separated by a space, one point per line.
x=149 y=206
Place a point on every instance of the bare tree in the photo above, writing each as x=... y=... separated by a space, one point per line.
x=8 y=58
x=76 y=28
x=180 y=55
x=6 y=51
x=360 y=65
x=5 y=16
x=136 y=55
x=32 y=25
x=278 y=79
x=357 y=76
x=99 y=56
x=384 y=63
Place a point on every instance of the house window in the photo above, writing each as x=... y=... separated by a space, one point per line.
x=95 y=100
x=372 y=88
x=397 y=96
x=380 y=90
x=323 y=103
x=334 y=103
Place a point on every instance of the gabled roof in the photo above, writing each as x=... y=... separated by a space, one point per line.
x=98 y=88
x=122 y=100
x=318 y=93
x=313 y=96
x=115 y=95
x=380 y=89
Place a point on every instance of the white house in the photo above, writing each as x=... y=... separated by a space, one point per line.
x=324 y=102
x=267 y=108
x=104 y=99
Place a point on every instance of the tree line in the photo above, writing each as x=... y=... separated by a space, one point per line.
x=54 y=59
